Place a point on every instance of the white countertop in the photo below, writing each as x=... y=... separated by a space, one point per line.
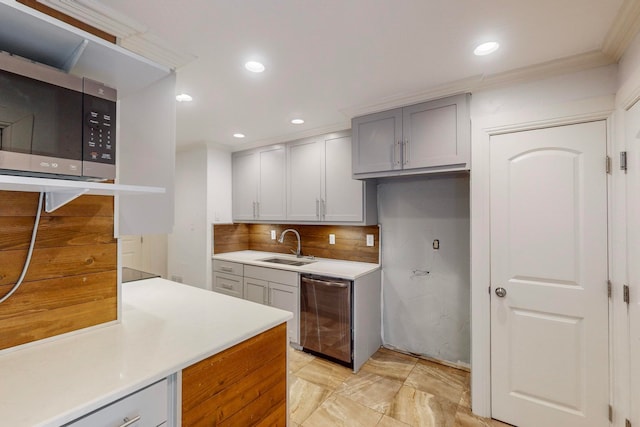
x=323 y=266
x=165 y=327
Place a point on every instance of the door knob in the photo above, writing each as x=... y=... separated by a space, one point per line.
x=501 y=292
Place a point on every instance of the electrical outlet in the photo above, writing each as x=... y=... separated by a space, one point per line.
x=332 y=239
x=273 y=234
x=369 y=239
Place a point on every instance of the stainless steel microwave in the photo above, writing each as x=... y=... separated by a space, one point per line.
x=52 y=123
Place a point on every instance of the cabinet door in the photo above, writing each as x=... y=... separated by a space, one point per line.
x=342 y=199
x=376 y=142
x=149 y=406
x=286 y=298
x=228 y=284
x=146 y=155
x=256 y=290
x=436 y=133
x=304 y=168
x=271 y=186
x=244 y=185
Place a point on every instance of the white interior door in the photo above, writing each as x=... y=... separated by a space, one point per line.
x=632 y=120
x=131 y=251
x=549 y=333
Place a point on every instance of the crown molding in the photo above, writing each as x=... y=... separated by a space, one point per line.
x=624 y=28
x=97 y=15
x=336 y=127
x=482 y=82
x=130 y=34
x=156 y=49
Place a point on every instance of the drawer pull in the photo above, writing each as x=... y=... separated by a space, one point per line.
x=225 y=286
x=227 y=269
x=128 y=422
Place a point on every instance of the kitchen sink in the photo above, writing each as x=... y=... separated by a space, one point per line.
x=287 y=261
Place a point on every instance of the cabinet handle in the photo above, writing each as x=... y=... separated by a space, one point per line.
x=227 y=269
x=317 y=208
x=258 y=209
x=254 y=209
x=323 y=208
x=396 y=153
x=228 y=287
x=405 y=152
x=128 y=422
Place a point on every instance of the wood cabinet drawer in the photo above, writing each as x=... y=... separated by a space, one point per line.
x=228 y=284
x=149 y=404
x=228 y=267
x=272 y=275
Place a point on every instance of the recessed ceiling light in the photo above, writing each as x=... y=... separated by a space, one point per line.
x=297 y=121
x=238 y=135
x=254 y=66
x=183 y=97
x=486 y=48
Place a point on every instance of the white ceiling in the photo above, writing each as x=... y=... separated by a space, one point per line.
x=326 y=59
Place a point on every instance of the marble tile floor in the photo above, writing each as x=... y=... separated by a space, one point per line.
x=391 y=390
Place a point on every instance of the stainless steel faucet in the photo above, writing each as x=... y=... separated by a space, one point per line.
x=281 y=240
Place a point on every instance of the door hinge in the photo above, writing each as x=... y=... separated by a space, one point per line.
x=489 y=289
x=623 y=161
x=625 y=293
x=610 y=413
x=609 y=288
x=627 y=423
x=608 y=164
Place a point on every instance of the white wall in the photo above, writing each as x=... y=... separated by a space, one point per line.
x=423 y=313
x=187 y=245
x=218 y=197
x=203 y=196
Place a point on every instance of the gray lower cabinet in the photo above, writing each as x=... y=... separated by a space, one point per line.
x=227 y=278
x=146 y=407
x=276 y=288
x=256 y=290
x=269 y=286
x=429 y=137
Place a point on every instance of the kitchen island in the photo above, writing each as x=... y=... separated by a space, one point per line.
x=165 y=327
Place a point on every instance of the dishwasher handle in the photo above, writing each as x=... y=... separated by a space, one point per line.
x=330 y=283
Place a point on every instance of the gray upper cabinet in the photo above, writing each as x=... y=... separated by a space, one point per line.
x=306 y=181
x=320 y=185
x=429 y=137
x=343 y=196
x=258 y=181
x=305 y=164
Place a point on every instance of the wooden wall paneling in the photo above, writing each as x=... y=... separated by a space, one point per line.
x=34 y=4
x=72 y=279
x=48 y=263
x=243 y=385
x=78 y=302
x=350 y=241
x=230 y=238
x=15 y=203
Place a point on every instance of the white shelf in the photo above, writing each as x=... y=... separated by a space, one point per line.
x=61 y=191
x=31 y=34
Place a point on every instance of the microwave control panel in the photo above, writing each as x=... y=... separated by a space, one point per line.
x=99 y=136
x=98 y=130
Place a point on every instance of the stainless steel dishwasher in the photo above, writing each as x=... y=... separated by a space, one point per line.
x=325 y=317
